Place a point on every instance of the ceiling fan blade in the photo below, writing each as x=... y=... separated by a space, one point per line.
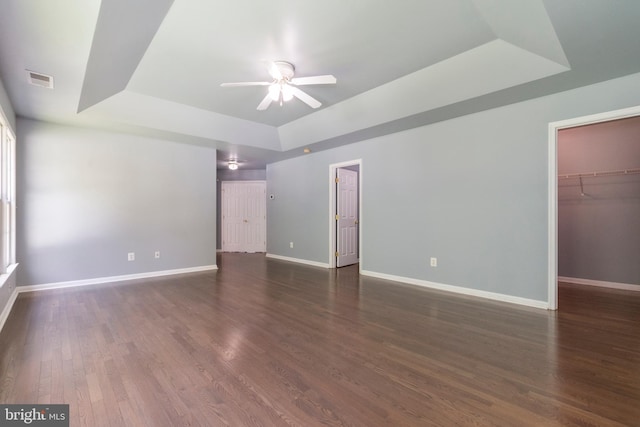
x=238 y=84
x=265 y=102
x=307 y=99
x=314 y=80
x=274 y=71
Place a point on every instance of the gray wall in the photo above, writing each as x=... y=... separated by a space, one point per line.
x=236 y=175
x=599 y=232
x=87 y=198
x=471 y=191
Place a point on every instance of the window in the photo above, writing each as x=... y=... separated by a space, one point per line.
x=7 y=197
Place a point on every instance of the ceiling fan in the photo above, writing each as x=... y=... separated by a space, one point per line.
x=283 y=87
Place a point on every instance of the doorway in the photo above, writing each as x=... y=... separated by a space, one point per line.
x=345 y=213
x=554 y=129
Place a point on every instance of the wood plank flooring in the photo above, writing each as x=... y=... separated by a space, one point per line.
x=263 y=342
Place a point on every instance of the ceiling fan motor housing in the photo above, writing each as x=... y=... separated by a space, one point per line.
x=286 y=69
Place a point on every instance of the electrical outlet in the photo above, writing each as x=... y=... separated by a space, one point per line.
x=131 y=256
x=157 y=254
x=434 y=262
x=291 y=244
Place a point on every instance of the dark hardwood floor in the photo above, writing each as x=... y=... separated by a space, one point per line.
x=266 y=342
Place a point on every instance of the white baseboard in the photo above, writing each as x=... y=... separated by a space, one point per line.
x=97 y=281
x=460 y=290
x=457 y=289
x=298 y=260
x=599 y=283
x=101 y=280
x=7 y=308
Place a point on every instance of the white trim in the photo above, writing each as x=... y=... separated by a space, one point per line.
x=7 y=308
x=4 y=278
x=552 y=220
x=298 y=260
x=600 y=283
x=461 y=290
x=101 y=280
x=332 y=210
x=554 y=127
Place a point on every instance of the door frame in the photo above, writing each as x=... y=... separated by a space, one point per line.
x=332 y=210
x=554 y=127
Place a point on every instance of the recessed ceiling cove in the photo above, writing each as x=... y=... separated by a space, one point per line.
x=186 y=49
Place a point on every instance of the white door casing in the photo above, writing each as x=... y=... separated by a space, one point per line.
x=243 y=216
x=347 y=217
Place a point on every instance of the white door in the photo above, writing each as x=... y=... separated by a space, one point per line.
x=347 y=217
x=244 y=216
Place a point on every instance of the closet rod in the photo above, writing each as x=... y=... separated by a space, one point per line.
x=602 y=173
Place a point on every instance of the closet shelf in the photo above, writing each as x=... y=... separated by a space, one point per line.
x=634 y=171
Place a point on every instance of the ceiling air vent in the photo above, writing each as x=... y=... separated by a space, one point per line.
x=39 y=79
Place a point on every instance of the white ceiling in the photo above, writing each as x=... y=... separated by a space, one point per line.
x=154 y=67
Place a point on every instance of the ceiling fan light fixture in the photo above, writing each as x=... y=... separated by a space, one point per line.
x=287 y=92
x=233 y=165
x=274 y=91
